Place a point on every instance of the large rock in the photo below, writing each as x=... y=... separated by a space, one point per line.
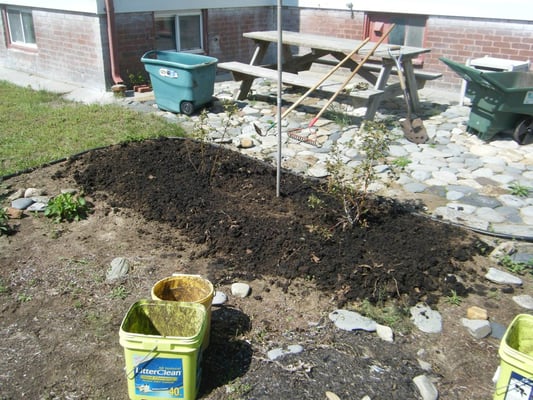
x=240 y=289
x=427 y=389
x=426 y=319
x=352 y=321
x=497 y=276
x=119 y=268
x=385 y=333
x=22 y=203
x=475 y=312
x=524 y=301
x=478 y=328
x=502 y=250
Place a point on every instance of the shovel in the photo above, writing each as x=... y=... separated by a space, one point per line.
x=314 y=87
x=413 y=129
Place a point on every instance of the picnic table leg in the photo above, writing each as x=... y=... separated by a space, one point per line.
x=380 y=84
x=259 y=53
x=287 y=54
x=383 y=77
x=246 y=85
x=410 y=82
x=372 y=107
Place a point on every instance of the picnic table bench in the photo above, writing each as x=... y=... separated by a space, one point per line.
x=247 y=73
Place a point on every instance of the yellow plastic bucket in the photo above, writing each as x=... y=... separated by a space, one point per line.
x=162 y=343
x=515 y=379
x=187 y=288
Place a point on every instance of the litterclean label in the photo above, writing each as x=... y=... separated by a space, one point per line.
x=160 y=377
x=519 y=388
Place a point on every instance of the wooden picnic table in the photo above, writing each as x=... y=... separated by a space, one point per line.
x=314 y=48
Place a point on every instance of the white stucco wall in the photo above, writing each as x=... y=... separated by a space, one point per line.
x=508 y=9
x=84 y=6
x=161 y=5
x=98 y=6
x=521 y=10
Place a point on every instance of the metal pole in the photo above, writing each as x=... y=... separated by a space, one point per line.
x=280 y=69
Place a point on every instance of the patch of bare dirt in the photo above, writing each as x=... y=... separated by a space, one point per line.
x=177 y=206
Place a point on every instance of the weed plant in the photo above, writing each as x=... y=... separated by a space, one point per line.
x=454 y=298
x=392 y=315
x=338 y=115
x=516 y=267
x=519 y=190
x=24 y=297
x=67 y=207
x=137 y=78
x=5 y=228
x=314 y=202
x=401 y=162
x=4 y=288
x=202 y=133
x=352 y=186
x=119 y=293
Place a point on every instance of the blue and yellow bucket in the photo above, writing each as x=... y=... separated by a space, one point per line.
x=515 y=380
x=162 y=343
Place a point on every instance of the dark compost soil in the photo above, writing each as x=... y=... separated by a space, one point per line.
x=228 y=202
x=177 y=205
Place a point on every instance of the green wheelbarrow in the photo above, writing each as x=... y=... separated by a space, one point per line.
x=501 y=102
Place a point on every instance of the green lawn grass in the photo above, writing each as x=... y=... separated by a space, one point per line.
x=37 y=127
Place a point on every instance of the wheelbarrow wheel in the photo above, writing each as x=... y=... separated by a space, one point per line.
x=523 y=132
x=186 y=107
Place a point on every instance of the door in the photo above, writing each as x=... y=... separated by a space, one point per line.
x=409 y=30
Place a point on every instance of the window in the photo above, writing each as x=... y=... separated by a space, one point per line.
x=181 y=32
x=409 y=30
x=20 y=26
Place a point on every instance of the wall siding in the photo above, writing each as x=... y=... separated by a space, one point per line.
x=460 y=39
x=338 y=23
x=226 y=26
x=68 y=48
x=135 y=36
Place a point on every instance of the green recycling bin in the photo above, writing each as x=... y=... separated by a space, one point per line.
x=501 y=101
x=182 y=82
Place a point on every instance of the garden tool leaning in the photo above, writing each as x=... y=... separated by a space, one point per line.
x=414 y=129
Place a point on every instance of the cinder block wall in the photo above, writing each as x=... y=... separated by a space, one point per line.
x=460 y=39
x=338 y=23
x=135 y=36
x=226 y=26
x=69 y=49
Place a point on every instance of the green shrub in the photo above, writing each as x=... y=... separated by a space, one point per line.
x=5 y=229
x=519 y=190
x=67 y=207
x=351 y=185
